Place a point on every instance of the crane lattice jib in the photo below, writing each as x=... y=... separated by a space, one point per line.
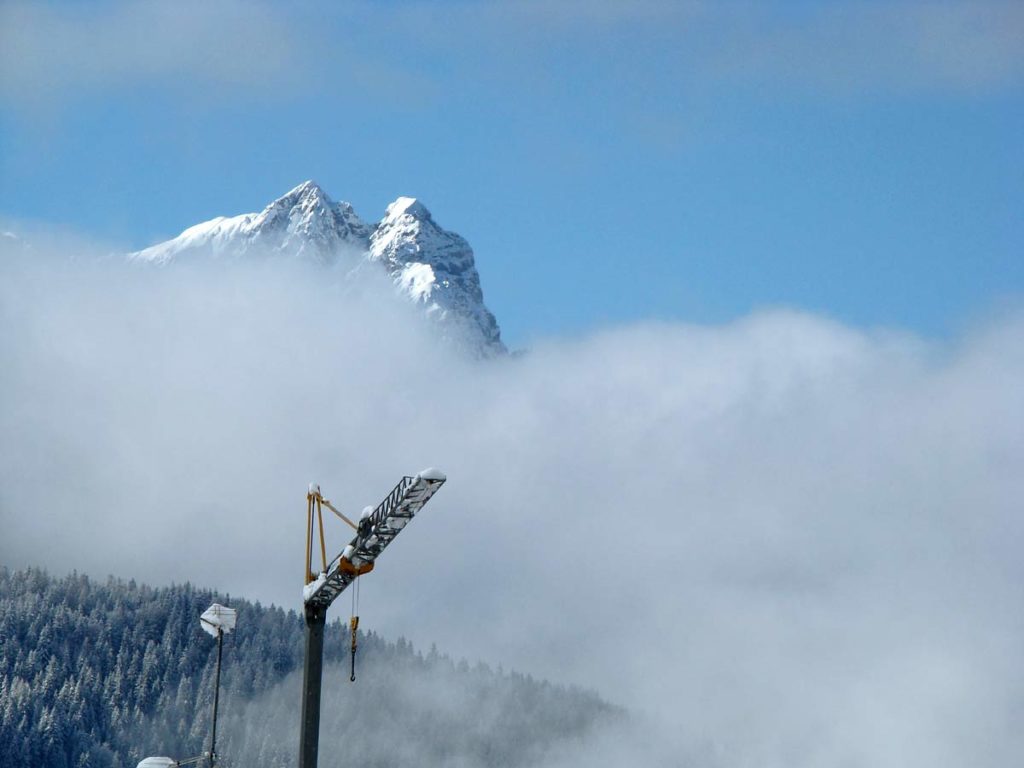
x=374 y=534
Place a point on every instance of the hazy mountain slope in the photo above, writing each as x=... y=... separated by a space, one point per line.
x=97 y=675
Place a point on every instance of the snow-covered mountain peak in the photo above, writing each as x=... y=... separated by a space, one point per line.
x=406 y=206
x=308 y=188
x=434 y=267
x=309 y=219
x=431 y=266
x=305 y=222
x=308 y=193
x=307 y=202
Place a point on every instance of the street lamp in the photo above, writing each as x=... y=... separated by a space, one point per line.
x=216 y=621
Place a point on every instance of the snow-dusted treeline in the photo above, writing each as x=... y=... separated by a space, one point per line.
x=98 y=675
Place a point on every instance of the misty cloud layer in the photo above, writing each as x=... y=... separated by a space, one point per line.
x=782 y=541
x=53 y=53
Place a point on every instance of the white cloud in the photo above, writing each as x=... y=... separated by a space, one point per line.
x=390 y=53
x=866 y=48
x=789 y=541
x=844 y=48
x=55 y=52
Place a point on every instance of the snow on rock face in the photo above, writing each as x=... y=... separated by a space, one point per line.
x=303 y=223
x=306 y=219
x=435 y=268
x=430 y=266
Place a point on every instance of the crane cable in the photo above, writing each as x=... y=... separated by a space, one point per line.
x=354 y=625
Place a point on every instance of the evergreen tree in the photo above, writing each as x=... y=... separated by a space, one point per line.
x=99 y=675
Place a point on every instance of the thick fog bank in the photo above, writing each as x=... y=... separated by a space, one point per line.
x=781 y=541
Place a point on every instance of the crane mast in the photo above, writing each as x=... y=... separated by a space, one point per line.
x=377 y=528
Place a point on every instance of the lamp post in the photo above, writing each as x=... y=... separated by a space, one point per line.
x=217 y=621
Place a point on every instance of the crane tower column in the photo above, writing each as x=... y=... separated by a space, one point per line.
x=312 y=675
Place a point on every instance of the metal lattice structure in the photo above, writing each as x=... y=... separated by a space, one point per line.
x=374 y=533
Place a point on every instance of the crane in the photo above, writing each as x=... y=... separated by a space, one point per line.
x=377 y=528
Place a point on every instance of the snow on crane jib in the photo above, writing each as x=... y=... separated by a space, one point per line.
x=374 y=533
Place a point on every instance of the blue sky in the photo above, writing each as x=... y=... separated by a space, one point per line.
x=609 y=162
x=836 y=556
